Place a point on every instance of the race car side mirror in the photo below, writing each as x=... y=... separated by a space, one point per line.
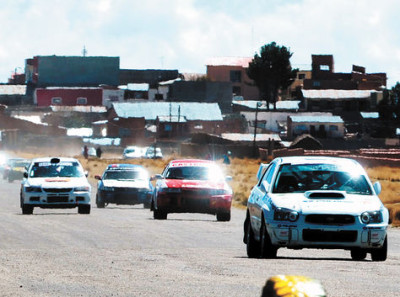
x=98 y=177
x=156 y=177
x=26 y=174
x=377 y=187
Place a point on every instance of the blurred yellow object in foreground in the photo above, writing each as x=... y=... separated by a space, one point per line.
x=292 y=286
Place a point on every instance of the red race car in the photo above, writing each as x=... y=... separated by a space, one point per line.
x=190 y=185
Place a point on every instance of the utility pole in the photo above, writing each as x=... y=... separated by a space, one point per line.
x=255 y=130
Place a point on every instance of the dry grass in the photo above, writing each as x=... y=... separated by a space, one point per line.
x=243 y=172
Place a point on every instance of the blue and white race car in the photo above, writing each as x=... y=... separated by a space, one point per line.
x=124 y=184
x=315 y=202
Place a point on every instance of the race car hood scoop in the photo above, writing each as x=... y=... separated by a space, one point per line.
x=325 y=195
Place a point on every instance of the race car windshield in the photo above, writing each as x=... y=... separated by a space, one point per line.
x=20 y=164
x=47 y=169
x=194 y=173
x=125 y=175
x=309 y=177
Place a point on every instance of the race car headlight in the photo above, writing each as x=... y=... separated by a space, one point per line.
x=32 y=189
x=216 y=192
x=108 y=189
x=82 y=189
x=165 y=190
x=369 y=217
x=281 y=214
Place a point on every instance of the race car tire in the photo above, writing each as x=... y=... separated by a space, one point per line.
x=380 y=254
x=99 y=202
x=252 y=245
x=159 y=214
x=27 y=209
x=224 y=216
x=358 y=254
x=84 y=209
x=267 y=250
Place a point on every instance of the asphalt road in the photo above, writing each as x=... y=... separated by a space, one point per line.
x=122 y=251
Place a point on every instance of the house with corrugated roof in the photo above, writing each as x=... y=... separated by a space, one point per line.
x=328 y=126
x=340 y=100
x=173 y=119
x=12 y=94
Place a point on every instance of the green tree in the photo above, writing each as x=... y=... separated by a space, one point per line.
x=271 y=71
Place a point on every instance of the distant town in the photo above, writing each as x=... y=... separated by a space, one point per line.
x=66 y=102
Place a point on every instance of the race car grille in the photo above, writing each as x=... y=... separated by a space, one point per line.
x=57 y=190
x=122 y=190
x=200 y=192
x=329 y=236
x=57 y=199
x=329 y=219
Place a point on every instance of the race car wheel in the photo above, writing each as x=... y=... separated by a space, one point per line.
x=381 y=253
x=27 y=209
x=358 y=254
x=267 y=250
x=253 y=246
x=99 y=202
x=84 y=209
x=224 y=216
x=159 y=214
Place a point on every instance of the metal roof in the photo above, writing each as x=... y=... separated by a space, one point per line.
x=12 y=89
x=337 y=94
x=78 y=108
x=151 y=110
x=250 y=137
x=370 y=115
x=317 y=119
x=280 y=105
x=229 y=61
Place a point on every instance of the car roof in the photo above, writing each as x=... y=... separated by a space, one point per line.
x=316 y=159
x=48 y=159
x=190 y=162
x=124 y=167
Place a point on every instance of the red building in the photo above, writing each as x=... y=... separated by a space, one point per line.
x=71 y=96
x=234 y=70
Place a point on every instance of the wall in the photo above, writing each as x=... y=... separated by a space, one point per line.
x=73 y=71
x=222 y=74
x=110 y=96
x=42 y=97
x=203 y=91
x=293 y=132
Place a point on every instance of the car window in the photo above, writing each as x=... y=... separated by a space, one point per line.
x=125 y=175
x=267 y=177
x=308 y=177
x=194 y=173
x=62 y=169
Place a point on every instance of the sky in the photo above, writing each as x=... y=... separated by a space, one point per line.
x=184 y=34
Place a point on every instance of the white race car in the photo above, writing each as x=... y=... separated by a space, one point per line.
x=315 y=202
x=55 y=182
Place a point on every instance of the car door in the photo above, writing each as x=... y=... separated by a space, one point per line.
x=258 y=196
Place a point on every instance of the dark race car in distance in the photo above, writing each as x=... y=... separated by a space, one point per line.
x=193 y=186
x=127 y=184
x=16 y=169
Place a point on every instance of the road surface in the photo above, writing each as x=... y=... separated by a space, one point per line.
x=122 y=251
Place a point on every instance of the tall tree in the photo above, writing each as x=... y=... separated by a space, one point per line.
x=271 y=71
